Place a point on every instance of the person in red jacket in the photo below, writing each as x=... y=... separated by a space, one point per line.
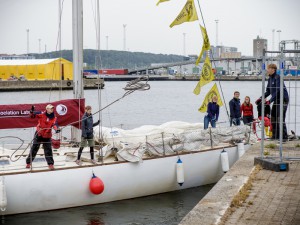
x=247 y=111
x=47 y=121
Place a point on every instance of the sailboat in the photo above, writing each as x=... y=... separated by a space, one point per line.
x=161 y=159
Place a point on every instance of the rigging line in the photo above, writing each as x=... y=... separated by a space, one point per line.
x=94 y=16
x=129 y=90
x=214 y=62
x=57 y=41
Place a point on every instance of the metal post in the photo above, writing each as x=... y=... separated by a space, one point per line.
x=217 y=21
x=273 y=34
x=184 y=44
x=281 y=103
x=262 y=142
x=163 y=142
x=295 y=106
x=211 y=141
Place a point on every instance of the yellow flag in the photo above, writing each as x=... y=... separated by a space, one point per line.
x=206 y=44
x=207 y=76
x=187 y=14
x=213 y=91
x=162 y=1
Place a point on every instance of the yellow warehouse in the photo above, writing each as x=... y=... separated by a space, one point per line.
x=37 y=69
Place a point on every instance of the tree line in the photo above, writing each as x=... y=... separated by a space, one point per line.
x=109 y=59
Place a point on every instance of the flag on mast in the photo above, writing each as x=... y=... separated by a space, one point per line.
x=206 y=44
x=161 y=1
x=213 y=92
x=187 y=14
x=207 y=76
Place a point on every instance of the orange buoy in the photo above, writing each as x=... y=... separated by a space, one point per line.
x=96 y=185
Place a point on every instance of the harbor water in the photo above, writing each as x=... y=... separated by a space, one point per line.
x=165 y=101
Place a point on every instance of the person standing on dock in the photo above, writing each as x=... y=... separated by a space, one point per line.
x=43 y=134
x=273 y=89
x=87 y=135
x=247 y=111
x=235 y=109
x=212 y=113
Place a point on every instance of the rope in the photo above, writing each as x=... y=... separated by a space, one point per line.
x=132 y=86
x=214 y=62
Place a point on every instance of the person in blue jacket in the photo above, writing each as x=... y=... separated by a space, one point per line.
x=235 y=110
x=273 y=89
x=87 y=136
x=212 y=113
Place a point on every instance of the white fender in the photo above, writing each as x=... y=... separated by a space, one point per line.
x=3 y=197
x=224 y=161
x=180 y=172
x=241 y=149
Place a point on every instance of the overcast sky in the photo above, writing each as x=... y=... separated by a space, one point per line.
x=240 y=21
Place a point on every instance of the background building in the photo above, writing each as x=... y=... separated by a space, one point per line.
x=258 y=45
x=37 y=69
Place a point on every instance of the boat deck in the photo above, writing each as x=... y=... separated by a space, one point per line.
x=65 y=158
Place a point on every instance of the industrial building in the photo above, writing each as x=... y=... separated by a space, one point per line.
x=258 y=45
x=37 y=69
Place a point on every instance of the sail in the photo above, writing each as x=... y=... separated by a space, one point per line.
x=18 y=116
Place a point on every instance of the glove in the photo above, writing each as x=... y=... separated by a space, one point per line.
x=258 y=101
x=32 y=109
x=267 y=102
x=57 y=131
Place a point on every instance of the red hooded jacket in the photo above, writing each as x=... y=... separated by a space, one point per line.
x=45 y=123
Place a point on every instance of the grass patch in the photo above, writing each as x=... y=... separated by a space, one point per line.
x=271 y=145
x=241 y=196
x=244 y=192
x=297 y=145
x=266 y=153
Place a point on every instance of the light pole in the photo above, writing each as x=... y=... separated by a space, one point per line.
x=39 y=45
x=106 y=42
x=278 y=31
x=273 y=43
x=184 y=43
x=217 y=21
x=124 y=37
x=27 y=30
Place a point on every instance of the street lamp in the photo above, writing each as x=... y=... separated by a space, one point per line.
x=27 y=30
x=184 y=43
x=39 y=45
x=106 y=42
x=124 y=37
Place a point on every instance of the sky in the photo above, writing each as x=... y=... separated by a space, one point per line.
x=147 y=25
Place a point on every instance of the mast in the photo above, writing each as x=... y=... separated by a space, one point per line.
x=77 y=23
x=77 y=17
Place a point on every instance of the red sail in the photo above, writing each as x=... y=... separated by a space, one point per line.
x=68 y=111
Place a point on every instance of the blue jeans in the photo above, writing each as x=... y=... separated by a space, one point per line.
x=208 y=120
x=235 y=121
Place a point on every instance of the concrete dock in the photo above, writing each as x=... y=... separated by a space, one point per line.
x=230 y=78
x=38 y=85
x=248 y=194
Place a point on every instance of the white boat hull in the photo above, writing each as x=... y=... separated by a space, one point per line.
x=64 y=188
